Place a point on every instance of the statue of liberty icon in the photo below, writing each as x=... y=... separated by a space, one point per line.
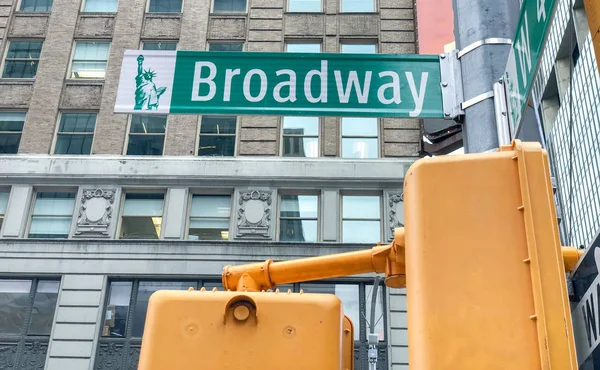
x=147 y=95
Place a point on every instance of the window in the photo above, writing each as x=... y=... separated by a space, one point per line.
x=100 y=6
x=160 y=45
x=22 y=59
x=3 y=204
x=370 y=48
x=225 y=46
x=90 y=59
x=75 y=133
x=147 y=134
x=52 y=214
x=358 y=6
x=142 y=216
x=229 y=6
x=209 y=217
x=127 y=306
x=11 y=126
x=36 y=5
x=301 y=137
x=298 y=218
x=360 y=138
x=217 y=136
x=304 y=6
x=303 y=48
x=361 y=217
x=165 y=6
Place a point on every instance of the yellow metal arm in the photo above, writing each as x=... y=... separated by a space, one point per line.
x=388 y=259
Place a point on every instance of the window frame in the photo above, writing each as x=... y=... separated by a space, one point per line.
x=209 y=42
x=212 y=10
x=295 y=41
x=318 y=137
x=83 y=12
x=5 y=54
x=318 y=219
x=126 y=145
x=56 y=132
x=72 y=59
x=14 y=132
x=237 y=133
x=140 y=190
x=375 y=8
x=34 y=197
x=347 y=41
x=20 y=4
x=171 y=13
x=209 y=192
x=142 y=42
x=321 y=10
x=356 y=193
x=4 y=189
x=378 y=138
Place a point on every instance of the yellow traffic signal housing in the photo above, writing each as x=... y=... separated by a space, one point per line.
x=218 y=330
x=486 y=285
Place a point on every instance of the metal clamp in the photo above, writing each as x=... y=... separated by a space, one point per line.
x=477 y=99
x=488 y=41
x=451 y=85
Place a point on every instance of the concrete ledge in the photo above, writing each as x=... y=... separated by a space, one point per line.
x=189 y=171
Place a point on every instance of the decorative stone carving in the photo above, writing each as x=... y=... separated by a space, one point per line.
x=254 y=214
x=110 y=356
x=396 y=211
x=34 y=355
x=8 y=355
x=95 y=213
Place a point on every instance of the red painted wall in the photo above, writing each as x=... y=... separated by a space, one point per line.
x=435 y=25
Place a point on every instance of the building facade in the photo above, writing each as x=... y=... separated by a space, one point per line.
x=99 y=209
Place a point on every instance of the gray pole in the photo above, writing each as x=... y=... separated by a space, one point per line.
x=477 y=20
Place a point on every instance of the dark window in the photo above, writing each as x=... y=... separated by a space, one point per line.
x=75 y=133
x=226 y=46
x=142 y=216
x=301 y=137
x=217 y=136
x=165 y=6
x=147 y=135
x=52 y=215
x=229 y=6
x=36 y=5
x=27 y=308
x=127 y=305
x=22 y=59
x=298 y=218
x=11 y=126
x=160 y=45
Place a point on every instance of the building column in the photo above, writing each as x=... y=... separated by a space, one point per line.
x=77 y=323
x=17 y=211
x=398 y=329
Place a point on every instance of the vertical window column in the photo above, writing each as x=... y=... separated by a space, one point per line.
x=147 y=135
x=90 y=59
x=298 y=218
x=75 y=133
x=360 y=138
x=142 y=216
x=22 y=59
x=217 y=136
x=209 y=217
x=361 y=219
x=11 y=127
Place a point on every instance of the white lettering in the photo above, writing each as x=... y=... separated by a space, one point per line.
x=322 y=74
x=524 y=50
x=263 y=85
x=418 y=95
x=394 y=85
x=198 y=80
x=228 y=77
x=291 y=83
x=541 y=10
x=344 y=94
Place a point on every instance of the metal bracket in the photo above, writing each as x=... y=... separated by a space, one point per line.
x=477 y=99
x=451 y=84
x=488 y=41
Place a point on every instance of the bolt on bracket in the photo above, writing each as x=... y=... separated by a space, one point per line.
x=451 y=85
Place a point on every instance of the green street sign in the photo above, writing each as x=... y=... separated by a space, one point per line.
x=293 y=84
x=525 y=56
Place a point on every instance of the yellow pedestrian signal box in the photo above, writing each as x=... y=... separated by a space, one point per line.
x=218 y=330
x=485 y=277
